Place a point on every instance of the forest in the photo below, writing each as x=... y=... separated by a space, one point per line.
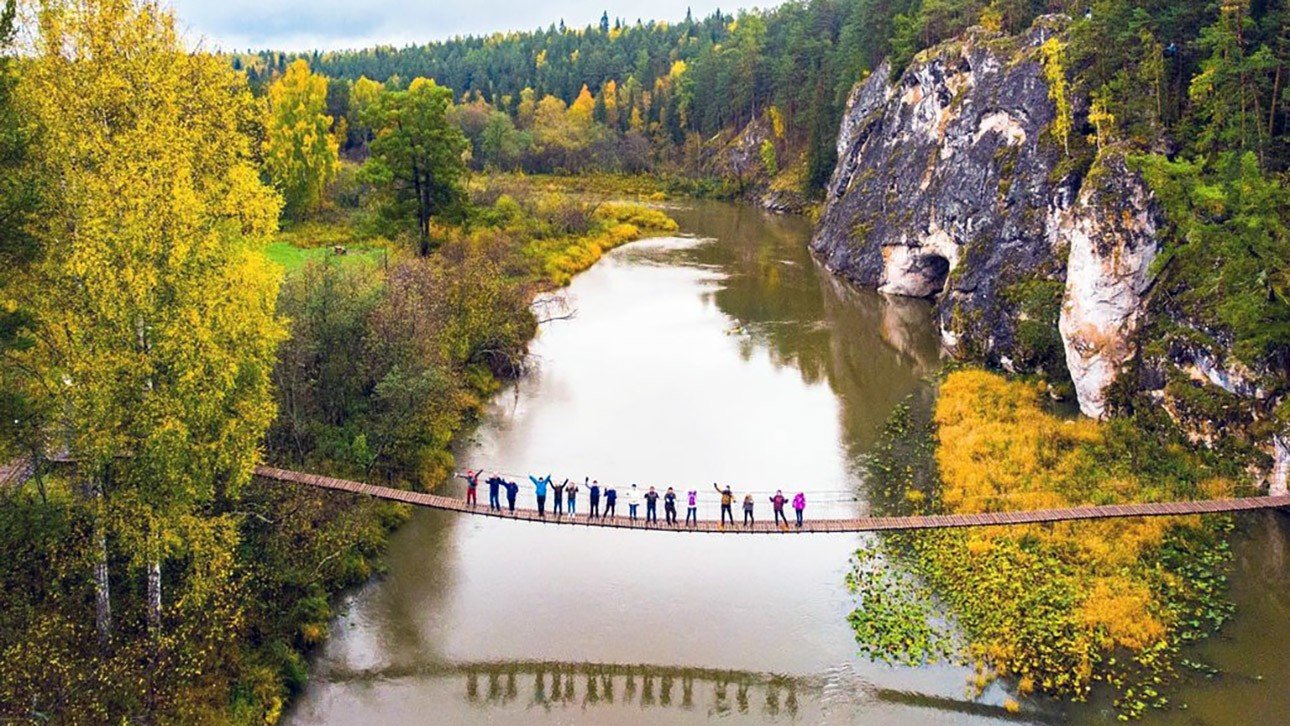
x=332 y=261
x=663 y=96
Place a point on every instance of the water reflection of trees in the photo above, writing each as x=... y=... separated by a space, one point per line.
x=869 y=348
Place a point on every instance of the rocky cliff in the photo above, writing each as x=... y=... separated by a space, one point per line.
x=947 y=186
x=951 y=185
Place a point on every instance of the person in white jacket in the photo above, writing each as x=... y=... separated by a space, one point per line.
x=633 y=502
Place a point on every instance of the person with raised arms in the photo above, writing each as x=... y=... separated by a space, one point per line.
x=557 y=507
x=539 y=488
x=472 y=486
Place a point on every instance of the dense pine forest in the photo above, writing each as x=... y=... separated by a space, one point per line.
x=332 y=260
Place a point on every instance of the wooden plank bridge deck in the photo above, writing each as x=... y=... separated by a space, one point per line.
x=817 y=526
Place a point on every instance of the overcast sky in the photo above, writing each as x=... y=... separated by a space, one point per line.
x=234 y=25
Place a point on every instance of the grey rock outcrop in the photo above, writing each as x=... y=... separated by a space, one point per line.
x=945 y=185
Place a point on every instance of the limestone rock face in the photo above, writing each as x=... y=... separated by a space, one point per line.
x=1111 y=237
x=945 y=184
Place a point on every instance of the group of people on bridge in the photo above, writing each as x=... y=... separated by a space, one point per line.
x=566 y=500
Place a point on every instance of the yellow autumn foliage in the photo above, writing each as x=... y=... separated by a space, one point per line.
x=1098 y=583
x=1000 y=450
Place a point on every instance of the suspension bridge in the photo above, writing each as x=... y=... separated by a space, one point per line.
x=16 y=472
x=765 y=526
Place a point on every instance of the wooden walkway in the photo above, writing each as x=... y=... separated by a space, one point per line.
x=818 y=526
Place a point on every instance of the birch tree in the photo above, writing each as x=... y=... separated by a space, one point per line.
x=154 y=305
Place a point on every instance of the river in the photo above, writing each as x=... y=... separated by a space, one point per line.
x=723 y=355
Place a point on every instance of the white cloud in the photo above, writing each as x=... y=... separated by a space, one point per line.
x=332 y=24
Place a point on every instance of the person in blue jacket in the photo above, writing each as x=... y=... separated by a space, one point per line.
x=539 y=488
x=593 y=493
x=611 y=498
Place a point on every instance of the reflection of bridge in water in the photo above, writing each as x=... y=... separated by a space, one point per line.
x=812 y=526
x=714 y=691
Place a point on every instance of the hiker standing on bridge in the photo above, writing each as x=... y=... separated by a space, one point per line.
x=494 y=488
x=799 y=504
x=472 y=486
x=777 y=503
x=727 y=501
x=593 y=489
x=558 y=507
x=611 y=499
x=748 y=510
x=572 y=493
x=651 y=506
x=669 y=506
x=512 y=491
x=692 y=508
x=539 y=488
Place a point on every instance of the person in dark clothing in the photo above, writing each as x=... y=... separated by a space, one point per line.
x=512 y=491
x=669 y=507
x=777 y=503
x=494 y=488
x=611 y=498
x=472 y=486
x=593 y=491
x=727 y=501
x=651 y=506
x=558 y=507
x=539 y=488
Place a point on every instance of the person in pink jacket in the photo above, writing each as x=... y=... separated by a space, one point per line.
x=799 y=504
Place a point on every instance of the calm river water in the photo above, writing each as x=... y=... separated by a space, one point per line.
x=722 y=355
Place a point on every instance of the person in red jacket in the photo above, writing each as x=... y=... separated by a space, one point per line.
x=472 y=486
x=777 y=503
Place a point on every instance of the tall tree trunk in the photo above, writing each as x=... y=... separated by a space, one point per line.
x=102 y=585
x=154 y=596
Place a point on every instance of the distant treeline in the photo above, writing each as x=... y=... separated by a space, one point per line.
x=668 y=81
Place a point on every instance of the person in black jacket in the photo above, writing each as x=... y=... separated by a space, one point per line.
x=495 y=484
x=557 y=508
x=512 y=491
x=651 y=506
x=593 y=492
x=669 y=506
x=727 y=502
